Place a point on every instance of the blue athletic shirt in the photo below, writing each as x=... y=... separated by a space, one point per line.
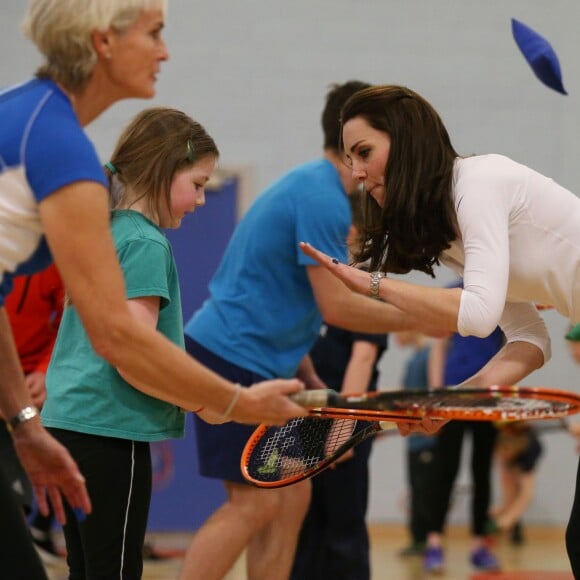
x=42 y=148
x=261 y=314
x=466 y=355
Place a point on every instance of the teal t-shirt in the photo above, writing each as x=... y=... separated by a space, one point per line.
x=87 y=394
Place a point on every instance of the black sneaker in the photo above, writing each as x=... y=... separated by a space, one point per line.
x=517 y=535
x=414 y=549
x=46 y=547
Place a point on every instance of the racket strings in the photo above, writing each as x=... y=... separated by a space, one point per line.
x=508 y=407
x=296 y=447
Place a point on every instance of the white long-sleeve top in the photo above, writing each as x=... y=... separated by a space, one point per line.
x=518 y=245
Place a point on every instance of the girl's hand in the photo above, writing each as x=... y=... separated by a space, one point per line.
x=426 y=426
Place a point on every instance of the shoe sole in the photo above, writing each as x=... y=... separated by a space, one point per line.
x=49 y=558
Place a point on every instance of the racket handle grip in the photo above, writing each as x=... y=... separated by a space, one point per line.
x=315 y=398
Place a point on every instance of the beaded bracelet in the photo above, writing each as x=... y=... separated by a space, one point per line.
x=233 y=402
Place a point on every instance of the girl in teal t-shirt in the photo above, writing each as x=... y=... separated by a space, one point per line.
x=157 y=175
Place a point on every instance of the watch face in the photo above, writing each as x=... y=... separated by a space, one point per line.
x=24 y=415
x=27 y=413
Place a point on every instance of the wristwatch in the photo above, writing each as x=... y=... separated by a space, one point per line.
x=376 y=278
x=24 y=415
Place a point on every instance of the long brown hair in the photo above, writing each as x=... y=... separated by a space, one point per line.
x=418 y=220
x=158 y=143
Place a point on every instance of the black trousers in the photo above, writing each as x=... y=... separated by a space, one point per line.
x=18 y=558
x=446 y=465
x=333 y=542
x=419 y=470
x=109 y=542
x=573 y=530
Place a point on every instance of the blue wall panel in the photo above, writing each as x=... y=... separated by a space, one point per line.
x=182 y=500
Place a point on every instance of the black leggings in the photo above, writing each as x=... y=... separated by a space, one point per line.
x=109 y=542
x=573 y=530
x=446 y=465
x=419 y=468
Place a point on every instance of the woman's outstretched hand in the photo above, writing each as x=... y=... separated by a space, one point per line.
x=353 y=278
x=359 y=282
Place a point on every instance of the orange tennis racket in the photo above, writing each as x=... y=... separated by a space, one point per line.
x=304 y=447
x=496 y=403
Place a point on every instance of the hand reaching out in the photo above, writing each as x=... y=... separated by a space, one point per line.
x=51 y=470
x=353 y=278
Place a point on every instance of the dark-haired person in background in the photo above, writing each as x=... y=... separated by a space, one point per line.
x=266 y=305
x=334 y=542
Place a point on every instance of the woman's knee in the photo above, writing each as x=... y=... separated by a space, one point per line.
x=299 y=496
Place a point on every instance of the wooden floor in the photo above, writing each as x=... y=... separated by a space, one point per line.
x=541 y=557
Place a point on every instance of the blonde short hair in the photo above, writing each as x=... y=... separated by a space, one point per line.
x=61 y=30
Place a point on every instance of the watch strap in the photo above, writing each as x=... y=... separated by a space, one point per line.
x=374 y=288
x=23 y=416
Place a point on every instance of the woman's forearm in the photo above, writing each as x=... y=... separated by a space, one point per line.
x=514 y=362
x=437 y=307
x=14 y=395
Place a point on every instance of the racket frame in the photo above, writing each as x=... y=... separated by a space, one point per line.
x=378 y=406
x=370 y=430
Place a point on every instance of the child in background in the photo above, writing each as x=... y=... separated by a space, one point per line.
x=517 y=450
x=333 y=542
x=419 y=446
x=456 y=360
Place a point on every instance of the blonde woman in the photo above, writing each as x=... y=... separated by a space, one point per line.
x=53 y=201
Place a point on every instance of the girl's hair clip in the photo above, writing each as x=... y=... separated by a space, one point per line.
x=111 y=167
x=190 y=151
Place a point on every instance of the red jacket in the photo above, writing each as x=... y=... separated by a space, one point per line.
x=34 y=308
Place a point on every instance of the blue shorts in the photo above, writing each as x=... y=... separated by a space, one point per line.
x=219 y=447
x=529 y=457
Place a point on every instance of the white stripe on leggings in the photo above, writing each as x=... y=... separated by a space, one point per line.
x=128 y=505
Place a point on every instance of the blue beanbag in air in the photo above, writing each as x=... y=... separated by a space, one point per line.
x=539 y=54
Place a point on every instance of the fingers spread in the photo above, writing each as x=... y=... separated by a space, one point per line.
x=40 y=493
x=56 y=502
